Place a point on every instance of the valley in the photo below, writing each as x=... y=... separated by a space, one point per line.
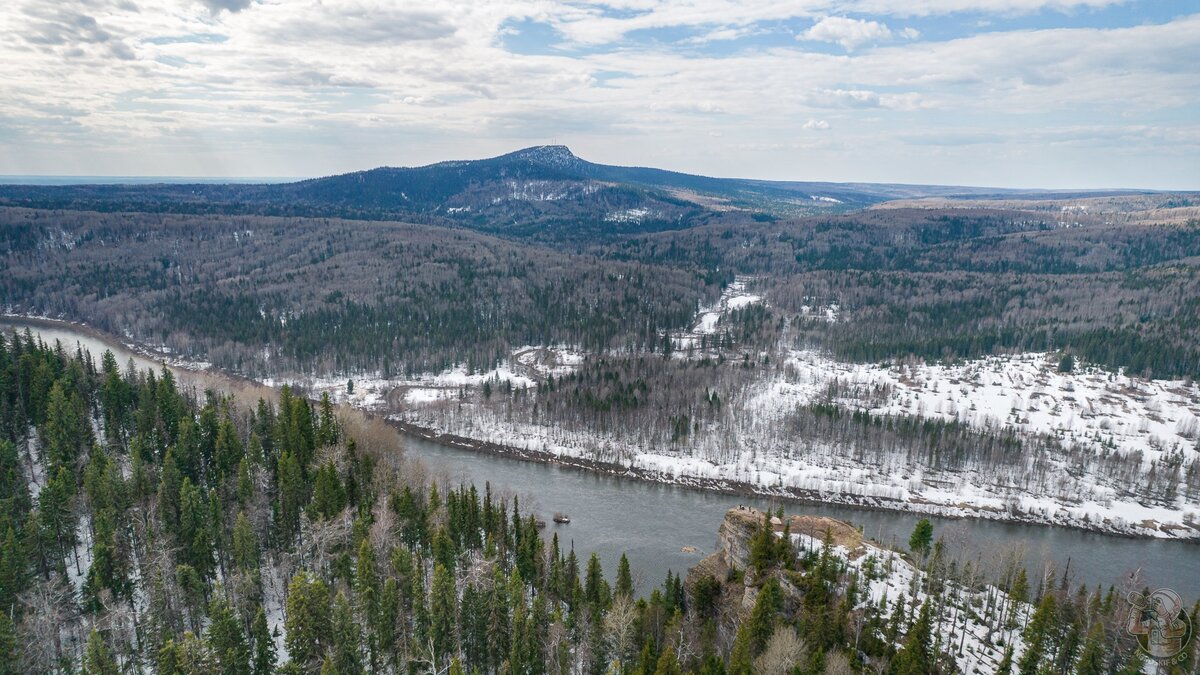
x=364 y=364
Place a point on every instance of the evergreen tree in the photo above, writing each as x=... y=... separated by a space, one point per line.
x=762 y=619
x=97 y=659
x=917 y=657
x=922 y=537
x=443 y=611
x=8 y=645
x=226 y=640
x=1091 y=659
x=245 y=544
x=291 y=494
x=346 y=637
x=668 y=663
x=195 y=532
x=1038 y=636
x=624 y=578
x=307 y=623
x=264 y=644
x=1006 y=662
x=741 y=659
x=328 y=496
x=595 y=588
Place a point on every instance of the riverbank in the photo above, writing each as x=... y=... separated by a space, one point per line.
x=207 y=376
x=793 y=494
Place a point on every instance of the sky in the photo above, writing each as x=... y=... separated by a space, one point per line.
x=1006 y=93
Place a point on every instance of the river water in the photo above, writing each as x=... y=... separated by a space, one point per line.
x=652 y=523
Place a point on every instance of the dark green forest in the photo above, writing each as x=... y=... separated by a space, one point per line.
x=341 y=296
x=148 y=527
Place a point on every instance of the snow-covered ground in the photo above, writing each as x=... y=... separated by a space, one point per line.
x=371 y=392
x=976 y=646
x=734 y=296
x=1025 y=392
x=1095 y=412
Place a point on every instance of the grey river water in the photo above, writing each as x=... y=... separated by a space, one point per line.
x=653 y=522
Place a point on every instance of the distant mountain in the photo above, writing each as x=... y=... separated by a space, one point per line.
x=542 y=192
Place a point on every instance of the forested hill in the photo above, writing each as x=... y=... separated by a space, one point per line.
x=148 y=528
x=544 y=193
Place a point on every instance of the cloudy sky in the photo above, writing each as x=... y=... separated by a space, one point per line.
x=1031 y=93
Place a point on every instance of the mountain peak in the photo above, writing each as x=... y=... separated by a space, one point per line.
x=558 y=156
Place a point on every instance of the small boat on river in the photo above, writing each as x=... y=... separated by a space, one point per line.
x=561 y=518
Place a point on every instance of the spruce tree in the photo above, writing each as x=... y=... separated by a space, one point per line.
x=264 y=644
x=443 y=611
x=346 y=637
x=624 y=578
x=1091 y=659
x=97 y=659
x=1006 y=662
x=227 y=641
x=308 y=623
x=922 y=537
x=1038 y=636
x=917 y=657
x=761 y=623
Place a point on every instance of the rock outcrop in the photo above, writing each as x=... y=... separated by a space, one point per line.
x=740 y=524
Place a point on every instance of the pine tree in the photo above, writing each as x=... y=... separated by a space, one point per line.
x=245 y=544
x=97 y=659
x=231 y=653
x=1038 y=636
x=308 y=624
x=624 y=578
x=443 y=611
x=917 y=657
x=264 y=644
x=1091 y=659
x=346 y=637
x=922 y=537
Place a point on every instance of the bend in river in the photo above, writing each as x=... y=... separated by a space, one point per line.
x=653 y=523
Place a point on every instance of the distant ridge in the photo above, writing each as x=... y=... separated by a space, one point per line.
x=544 y=191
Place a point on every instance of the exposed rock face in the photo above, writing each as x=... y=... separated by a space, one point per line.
x=741 y=522
x=734 y=536
x=739 y=526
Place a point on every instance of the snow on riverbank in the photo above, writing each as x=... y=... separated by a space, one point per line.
x=1095 y=413
x=1092 y=406
x=790 y=467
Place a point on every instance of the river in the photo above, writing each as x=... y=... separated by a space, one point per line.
x=652 y=522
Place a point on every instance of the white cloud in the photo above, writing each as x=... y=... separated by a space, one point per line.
x=816 y=125
x=1003 y=7
x=849 y=33
x=316 y=86
x=232 y=6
